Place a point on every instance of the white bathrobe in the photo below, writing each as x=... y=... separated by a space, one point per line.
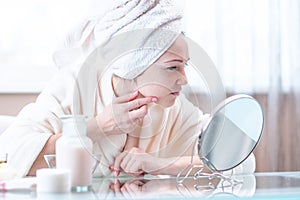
x=169 y=132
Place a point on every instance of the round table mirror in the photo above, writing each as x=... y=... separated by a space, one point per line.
x=231 y=134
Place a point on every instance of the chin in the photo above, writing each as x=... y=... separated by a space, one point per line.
x=166 y=104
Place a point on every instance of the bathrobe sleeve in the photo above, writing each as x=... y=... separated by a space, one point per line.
x=26 y=137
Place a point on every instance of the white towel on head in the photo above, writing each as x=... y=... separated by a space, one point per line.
x=123 y=17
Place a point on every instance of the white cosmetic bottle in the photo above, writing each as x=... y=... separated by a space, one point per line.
x=73 y=152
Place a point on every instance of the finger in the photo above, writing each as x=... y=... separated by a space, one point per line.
x=134 y=95
x=126 y=194
x=124 y=163
x=138 y=113
x=118 y=160
x=137 y=175
x=115 y=172
x=127 y=97
x=137 y=103
x=131 y=166
x=118 y=189
x=132 y=189
x=115 y=186
x=139 y=182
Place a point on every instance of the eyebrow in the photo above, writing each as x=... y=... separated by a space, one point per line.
x=177 y=60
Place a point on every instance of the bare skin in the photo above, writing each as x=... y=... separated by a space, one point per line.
x=40 y=162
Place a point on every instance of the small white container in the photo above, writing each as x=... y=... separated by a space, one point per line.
x=53 y=181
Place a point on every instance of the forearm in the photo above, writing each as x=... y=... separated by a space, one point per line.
x=40 y=162
x=94 y=131
x=99 y=127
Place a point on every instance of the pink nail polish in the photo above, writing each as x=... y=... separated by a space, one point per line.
x=116 y=181
x=111 y=168
x=116 y=173
x=154 y=99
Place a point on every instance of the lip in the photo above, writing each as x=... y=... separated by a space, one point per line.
x=175 y=93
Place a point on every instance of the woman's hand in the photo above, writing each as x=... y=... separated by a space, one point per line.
x=121 y=116
x=131 y=189
x=136 y=162
x=136 y=188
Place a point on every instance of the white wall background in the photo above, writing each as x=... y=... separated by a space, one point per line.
x=237 y=35
x=29 y=33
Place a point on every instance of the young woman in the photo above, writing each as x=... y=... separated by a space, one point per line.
x=160 y=124
x=148 y=126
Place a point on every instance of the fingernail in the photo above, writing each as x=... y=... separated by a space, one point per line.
x=135 y=93
x=111 y=186
x=116 y=172
x=154 y=99
x=116 y=181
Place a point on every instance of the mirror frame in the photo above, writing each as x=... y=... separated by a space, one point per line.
x=220 y=106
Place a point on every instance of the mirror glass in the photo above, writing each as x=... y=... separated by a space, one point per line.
x=232 y=133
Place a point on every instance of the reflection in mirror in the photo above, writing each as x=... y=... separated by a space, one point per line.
x=219 y=187
x=160 y=188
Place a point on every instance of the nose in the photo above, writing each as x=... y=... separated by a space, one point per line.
x=182 y=79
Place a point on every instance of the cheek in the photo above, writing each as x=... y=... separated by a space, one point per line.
x=153 y=90
x=161 y=93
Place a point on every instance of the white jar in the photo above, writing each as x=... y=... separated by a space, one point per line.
x=74 y=152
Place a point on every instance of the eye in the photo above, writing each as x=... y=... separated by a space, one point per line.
x=172 y=68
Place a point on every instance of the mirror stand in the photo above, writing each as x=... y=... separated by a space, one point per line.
x=225 y=181
x=186 y=172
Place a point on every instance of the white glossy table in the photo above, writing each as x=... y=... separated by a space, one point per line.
x=284 y=185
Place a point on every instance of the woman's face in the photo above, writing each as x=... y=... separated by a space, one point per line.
x=164 y=78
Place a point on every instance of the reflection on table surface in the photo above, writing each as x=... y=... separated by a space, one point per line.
x=284 y=185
